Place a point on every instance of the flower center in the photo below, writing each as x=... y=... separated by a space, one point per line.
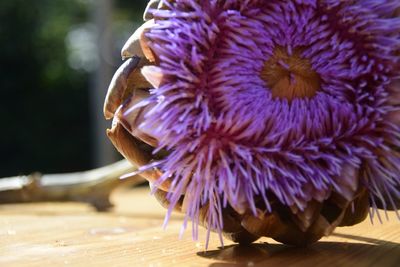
x=290 y=76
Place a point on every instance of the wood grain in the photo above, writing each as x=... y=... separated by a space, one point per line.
x=71 y=234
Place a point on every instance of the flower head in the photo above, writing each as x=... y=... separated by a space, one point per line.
x=264 y=102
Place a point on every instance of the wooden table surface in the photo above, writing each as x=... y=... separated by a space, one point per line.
x=71 y=234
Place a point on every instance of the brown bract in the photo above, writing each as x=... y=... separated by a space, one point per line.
x=127 y=88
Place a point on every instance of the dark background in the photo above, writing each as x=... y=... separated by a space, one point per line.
x=56 y=59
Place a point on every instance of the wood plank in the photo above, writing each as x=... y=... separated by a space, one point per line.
x=70 y=234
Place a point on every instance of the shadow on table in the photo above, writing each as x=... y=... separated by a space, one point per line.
x=371 y=252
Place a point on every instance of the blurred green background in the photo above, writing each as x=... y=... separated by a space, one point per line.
x=56 y=59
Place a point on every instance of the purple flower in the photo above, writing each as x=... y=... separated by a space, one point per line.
x=293 y=101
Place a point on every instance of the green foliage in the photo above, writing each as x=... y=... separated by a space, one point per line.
x=43 y=101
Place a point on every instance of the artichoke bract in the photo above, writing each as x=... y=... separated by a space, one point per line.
x=264 y=118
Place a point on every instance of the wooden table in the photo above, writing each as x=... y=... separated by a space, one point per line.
x=71 y=234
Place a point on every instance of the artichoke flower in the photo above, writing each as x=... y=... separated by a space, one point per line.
x=264 y=118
